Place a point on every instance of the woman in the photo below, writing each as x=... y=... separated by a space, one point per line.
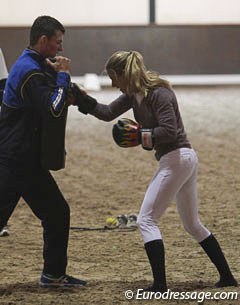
x=156 y=110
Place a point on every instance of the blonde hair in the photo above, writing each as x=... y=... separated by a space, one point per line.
x=130 y=66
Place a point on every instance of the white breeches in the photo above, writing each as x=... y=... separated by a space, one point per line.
x=175 y=179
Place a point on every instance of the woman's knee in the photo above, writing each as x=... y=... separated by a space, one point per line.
x=148 y=228
x=144 y=222
x=196 y=230
x=140 y=222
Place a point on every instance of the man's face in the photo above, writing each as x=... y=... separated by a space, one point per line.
x=51 y=46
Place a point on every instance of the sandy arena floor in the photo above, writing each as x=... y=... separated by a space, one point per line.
x=102 y=180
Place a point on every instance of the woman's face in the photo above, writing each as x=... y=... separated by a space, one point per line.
x=118 y=81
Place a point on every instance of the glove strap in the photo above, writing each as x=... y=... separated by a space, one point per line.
x=147 y=138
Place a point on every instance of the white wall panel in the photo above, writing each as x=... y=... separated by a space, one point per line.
x=197 y=11
x=75 y=12
x=120 y=12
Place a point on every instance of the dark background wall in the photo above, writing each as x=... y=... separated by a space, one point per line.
x=167 y=49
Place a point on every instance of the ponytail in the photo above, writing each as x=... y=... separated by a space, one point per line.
x=131 y=66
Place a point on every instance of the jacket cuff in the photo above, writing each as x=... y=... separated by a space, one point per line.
x=63 y=79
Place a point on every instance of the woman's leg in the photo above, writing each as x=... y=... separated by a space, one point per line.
x=211 y=246
x=156 y=201
x=187 y=205
x=161 y=191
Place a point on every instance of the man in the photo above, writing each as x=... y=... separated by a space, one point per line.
x=32 y=132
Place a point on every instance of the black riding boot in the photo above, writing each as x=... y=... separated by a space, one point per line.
x=156 y=256
x=211 y=246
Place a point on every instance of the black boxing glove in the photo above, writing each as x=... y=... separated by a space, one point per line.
x=83 y=101
x=127 y=133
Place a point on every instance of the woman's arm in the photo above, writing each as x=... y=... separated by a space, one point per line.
x=111 y=111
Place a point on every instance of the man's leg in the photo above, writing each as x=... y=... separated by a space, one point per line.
x=8 y=195
x=43 y=196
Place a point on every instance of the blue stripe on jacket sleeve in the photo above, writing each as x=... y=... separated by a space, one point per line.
x=59 y=96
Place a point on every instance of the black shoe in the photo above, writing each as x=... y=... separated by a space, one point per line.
x=63 y=281
x=157 y=288
x=226 y=283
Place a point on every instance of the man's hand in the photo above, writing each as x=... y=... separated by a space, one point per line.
x=60 y=64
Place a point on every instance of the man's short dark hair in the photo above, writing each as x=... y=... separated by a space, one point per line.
x=44 y=25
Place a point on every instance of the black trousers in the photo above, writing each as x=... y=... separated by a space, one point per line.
x=40 y=191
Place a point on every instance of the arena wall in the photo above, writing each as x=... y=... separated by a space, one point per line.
x=173 y=49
